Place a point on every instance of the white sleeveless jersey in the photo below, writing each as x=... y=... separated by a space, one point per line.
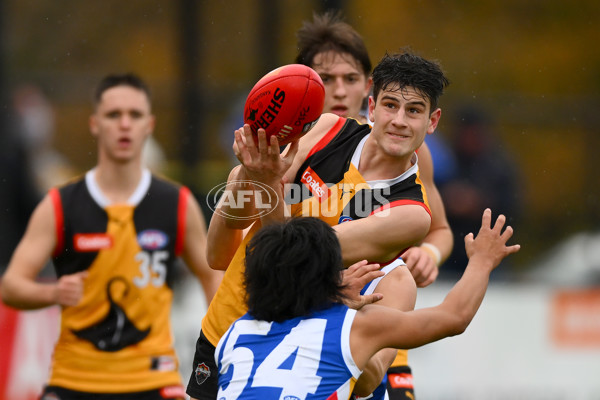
x=302 y=358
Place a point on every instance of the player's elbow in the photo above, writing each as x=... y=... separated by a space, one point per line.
x=216 y=263
x=238 y=223
x=459 y=324
x=7 y=292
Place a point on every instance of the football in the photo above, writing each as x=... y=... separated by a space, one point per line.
x=286 y=102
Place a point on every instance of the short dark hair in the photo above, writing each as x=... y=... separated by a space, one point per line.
x=328 y=32
x=114 y=80
x=406 y=69
x=293 y=269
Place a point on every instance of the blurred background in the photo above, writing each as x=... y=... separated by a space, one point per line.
x=519 y=132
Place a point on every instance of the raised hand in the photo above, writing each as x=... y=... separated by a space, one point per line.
x=262 y=161
x=490 y=243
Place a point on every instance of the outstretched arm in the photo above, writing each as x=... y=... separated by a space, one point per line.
x=391 y=328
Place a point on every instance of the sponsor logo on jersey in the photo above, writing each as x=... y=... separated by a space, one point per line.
x=171 y=392
x=344 y=218
x=163 y=363
x=202 y=373
x=316 y=185
x=84 y=242
x=152 y=239
x=401 y=381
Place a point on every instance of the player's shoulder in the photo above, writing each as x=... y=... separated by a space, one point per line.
x=326 y=122
x=163 y=184
x=70 y=183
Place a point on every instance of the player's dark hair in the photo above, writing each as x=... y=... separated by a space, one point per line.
x=293 y=269
x=114 y=80
x=401 y=70
x=328 y=32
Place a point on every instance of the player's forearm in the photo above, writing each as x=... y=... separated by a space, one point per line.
x=24 y=294
x=221 y=243
x=237 y=204
x=275 y=206
x=210 y=284
x=442 y=238
x=466 y=296
x=374 y=372
x=440 y=234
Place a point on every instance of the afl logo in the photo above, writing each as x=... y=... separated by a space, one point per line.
x=152 y=239
x=344 y=218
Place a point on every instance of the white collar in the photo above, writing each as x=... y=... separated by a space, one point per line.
x=135 y=198
x=385 y=182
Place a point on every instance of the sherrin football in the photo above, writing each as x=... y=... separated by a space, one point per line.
x=286 y=102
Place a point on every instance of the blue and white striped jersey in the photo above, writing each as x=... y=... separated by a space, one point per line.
x=304 y=358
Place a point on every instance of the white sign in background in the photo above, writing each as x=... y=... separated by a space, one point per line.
x=508 y=351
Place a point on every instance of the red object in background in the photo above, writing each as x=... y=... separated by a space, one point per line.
x=8 y=322
x=27 y=340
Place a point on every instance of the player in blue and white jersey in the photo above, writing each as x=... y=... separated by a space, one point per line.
x=299 y=339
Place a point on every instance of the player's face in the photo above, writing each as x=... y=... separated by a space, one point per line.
x=401 y=119
x=121 y=123
x=346 y=85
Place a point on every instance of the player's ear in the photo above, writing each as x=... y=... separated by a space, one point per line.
x=152 y=123
x=434 y=119
x=93 y=122
x=368 y=86
x=371 y=109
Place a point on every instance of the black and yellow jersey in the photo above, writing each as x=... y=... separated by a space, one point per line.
x=328 y=186
x=118 y=339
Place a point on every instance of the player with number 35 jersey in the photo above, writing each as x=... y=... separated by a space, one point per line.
x=125 y=311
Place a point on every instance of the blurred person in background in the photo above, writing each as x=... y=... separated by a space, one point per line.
x=36 y=119
x=19 y=193
x=114 y=236
x=484 y=176
x=339 y=55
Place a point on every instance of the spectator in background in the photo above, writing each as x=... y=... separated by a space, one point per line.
x=36 y=121
x=442 y=156
x=18 y=190
x=485 y=176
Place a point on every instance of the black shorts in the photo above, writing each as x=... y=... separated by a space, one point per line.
x=400 y=383
x=166 y=393
x=204 y=381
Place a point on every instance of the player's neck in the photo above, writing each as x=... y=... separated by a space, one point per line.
x=376 y=165
x=118 y=181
